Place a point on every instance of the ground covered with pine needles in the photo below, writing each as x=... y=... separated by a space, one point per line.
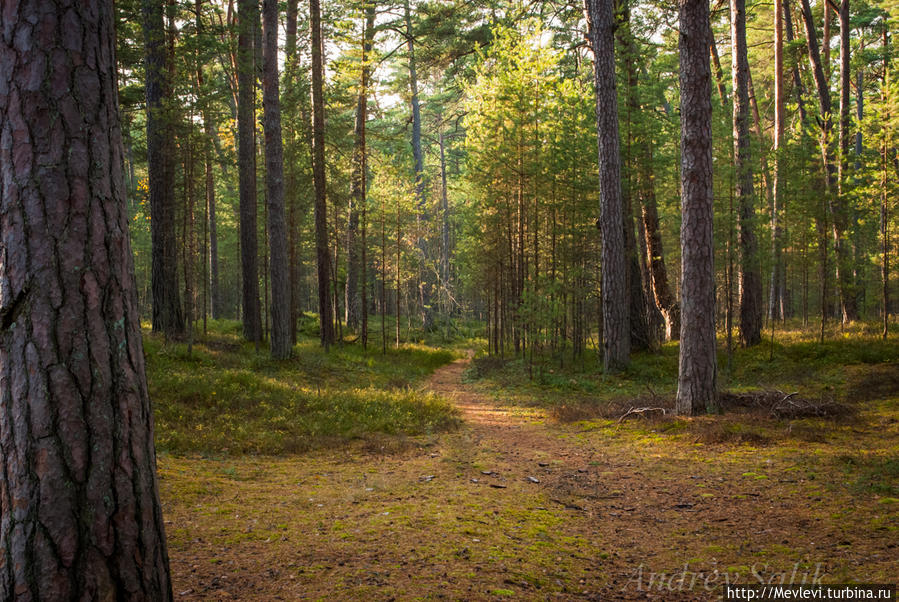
x=426 y=474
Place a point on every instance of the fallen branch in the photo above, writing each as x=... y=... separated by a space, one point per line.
x=640 y=412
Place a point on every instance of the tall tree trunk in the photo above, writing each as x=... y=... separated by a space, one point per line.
x=188 y=239
x=81 y=517
x=445 y=226
x=209 y=131
x=750 y=270
x=246 y=150
x=281 y=343
x=424 y=284
x=775 y=297
x=318 y=176
x=697 y=370
x=290 y=179
x=352 y=299
x=615 y=313
x=167 y=316
x=849 y=292
x=886 y=145
x=641 y=305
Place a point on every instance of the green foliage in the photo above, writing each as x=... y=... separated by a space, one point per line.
x=798 y=363
x=875 y=474
x=225 y=398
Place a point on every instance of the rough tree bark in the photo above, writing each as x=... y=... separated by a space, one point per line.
x=615 y=313
x=352 y=297
x=323 y=261
x=167 y=316
x=750 y=270
x=246 y=151
x=79 y=500
x=697 y=370
x=281 y=343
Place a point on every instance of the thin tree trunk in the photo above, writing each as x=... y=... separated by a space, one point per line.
x=383 y=281
x=884 y=198
x=210 y=223
x=616 y=327
x=398 y=240
x=697 y=371
x=750 y=271
x=719 y=72
x=846 y=270
x=352 y=300
x=318 y=174
x=835 y=204
x=290 y=179
x=424 y=287
x=775 y=297
x=445 y=229
x=188 y=245
x=798 y=87
x=81 y=518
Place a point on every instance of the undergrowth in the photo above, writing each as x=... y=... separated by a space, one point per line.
x=225 y=397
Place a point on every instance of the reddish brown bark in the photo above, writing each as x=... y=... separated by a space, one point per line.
x=697 y=373
x=615 y=312
x=78 y=494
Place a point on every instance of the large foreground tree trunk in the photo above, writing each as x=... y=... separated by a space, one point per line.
x=615 y=312
x=750 y=270
x=697 y=371
x=281 y=344
x=80 y=511
x=167 y=316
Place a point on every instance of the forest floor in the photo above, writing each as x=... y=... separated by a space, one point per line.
x=519 y=504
